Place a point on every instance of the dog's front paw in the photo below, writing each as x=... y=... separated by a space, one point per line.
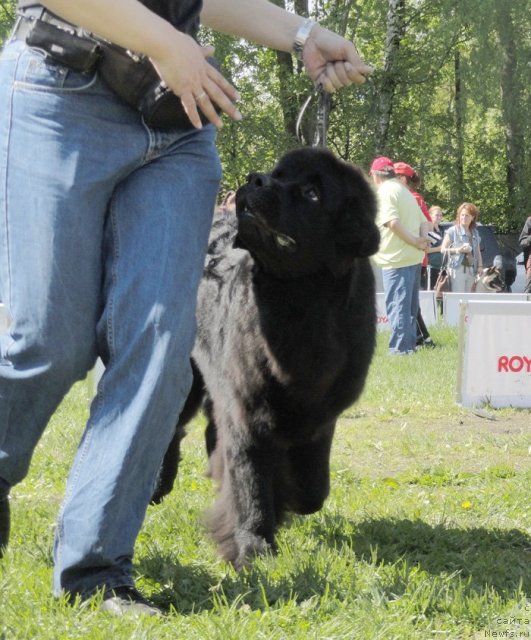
x=161 y=490
x=248 y=546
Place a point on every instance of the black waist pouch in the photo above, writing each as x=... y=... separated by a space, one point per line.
x=134 y=79
x=65 y=46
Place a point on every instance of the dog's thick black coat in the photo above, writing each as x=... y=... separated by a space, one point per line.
x=286 y=333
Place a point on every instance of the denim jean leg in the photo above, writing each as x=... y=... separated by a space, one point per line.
x=50 y=246
x=155 y=246
x=66 y=142
x=401 y=288
x=395 y=302
x=415 y=272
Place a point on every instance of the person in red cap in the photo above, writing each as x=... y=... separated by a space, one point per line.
x=408 y=176
x=382 y=164
x=411 y=179
x=404 y=240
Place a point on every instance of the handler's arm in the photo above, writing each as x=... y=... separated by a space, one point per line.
x=445 y=245
x=420 y=242
x=125 y=22
x=425 y=228
x=180 y=61
x=329 y=59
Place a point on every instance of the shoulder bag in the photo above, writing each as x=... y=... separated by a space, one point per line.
x=443 y=283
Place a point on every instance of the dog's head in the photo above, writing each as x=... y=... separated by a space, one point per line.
x=491 y=281
x=312 y=212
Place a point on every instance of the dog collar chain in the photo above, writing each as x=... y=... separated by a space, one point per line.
x=302 y=35
x=324 y=105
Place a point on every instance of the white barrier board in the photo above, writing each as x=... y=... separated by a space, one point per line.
x=428 y=308
x=495 y=354
x=451 y=302
x=4 y=319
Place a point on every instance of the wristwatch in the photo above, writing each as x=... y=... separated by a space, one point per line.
x=302 y=35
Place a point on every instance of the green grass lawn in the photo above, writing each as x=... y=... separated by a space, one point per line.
x=426 y=534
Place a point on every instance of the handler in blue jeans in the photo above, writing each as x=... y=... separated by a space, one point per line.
x=404 y=240
x=104 y=224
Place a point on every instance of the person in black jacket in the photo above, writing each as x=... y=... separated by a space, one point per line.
x=104 y=228
x=525 y=244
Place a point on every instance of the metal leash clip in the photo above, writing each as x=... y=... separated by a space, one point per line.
x=324 y=104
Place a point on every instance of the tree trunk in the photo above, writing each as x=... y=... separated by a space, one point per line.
x=395 y=32
x=459 y=133
x=511 y=100
x=285 y=71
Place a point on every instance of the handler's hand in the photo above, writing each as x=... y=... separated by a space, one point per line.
x=183 y=67
x=333 y=61
x=422 y=243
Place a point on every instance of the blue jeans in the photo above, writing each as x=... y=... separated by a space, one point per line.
x=401 y=288
x=104 y=226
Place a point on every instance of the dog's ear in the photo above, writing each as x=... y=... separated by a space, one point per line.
x=357 y=233
x=355 y=230
x=343 y=254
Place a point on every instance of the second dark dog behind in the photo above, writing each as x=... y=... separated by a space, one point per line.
x=491 y=281
x=286 y=333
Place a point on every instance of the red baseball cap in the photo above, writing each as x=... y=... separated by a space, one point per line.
x=382 y=164
x=403 y=169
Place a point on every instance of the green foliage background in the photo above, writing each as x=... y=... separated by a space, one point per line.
x=459 y=109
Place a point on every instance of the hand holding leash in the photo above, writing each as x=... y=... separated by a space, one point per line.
x=332 y=61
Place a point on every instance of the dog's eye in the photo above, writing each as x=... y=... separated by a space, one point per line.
x=312 y=194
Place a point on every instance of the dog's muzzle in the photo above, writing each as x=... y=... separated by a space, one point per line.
x=283 y=241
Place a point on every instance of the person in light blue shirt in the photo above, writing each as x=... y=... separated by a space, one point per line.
x=462 y=246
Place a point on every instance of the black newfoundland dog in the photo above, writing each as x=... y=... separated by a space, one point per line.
x=286 y=333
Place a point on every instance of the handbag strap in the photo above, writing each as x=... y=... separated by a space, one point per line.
x=446 y=257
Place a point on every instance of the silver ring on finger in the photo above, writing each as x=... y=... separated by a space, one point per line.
x=200 y=96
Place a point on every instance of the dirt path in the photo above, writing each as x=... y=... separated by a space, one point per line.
x=469 y=442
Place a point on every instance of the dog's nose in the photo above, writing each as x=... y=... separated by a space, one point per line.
x=258 y=180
